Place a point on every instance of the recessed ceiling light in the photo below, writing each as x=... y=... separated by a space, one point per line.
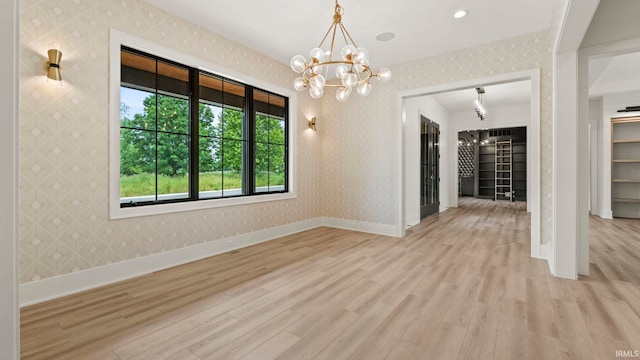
x=460 y=14
x=386 y=36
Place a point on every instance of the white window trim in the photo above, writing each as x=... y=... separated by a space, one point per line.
x=118 y=39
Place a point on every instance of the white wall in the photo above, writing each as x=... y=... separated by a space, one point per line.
x=65 y=230
x=9 y=330
x=515 y=115
x=596 y=154
x=431 y=109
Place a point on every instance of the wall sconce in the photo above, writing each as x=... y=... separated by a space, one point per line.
x=312 y=124
x=53 y=65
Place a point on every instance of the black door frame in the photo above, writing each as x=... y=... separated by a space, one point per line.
x=429 y=167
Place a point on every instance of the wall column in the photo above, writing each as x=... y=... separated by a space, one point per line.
x=565 y=169
x=9 y=313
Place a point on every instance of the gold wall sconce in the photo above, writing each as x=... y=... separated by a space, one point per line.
x=312 y=124
x=53 y=65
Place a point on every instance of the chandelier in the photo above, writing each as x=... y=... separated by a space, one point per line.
x=480 y=110
x=351 y=68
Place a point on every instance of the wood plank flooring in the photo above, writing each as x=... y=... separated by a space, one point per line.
x=460 y=285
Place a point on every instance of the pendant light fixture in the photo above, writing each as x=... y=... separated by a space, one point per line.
x=480 y=110
x=350 y=66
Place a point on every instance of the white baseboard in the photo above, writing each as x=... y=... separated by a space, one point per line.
x=363 y=226
x=551 y=261
x=606 y=214
x=58 y=286
x=544 y=252
x=413 y=221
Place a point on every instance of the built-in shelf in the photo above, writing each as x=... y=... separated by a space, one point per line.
x=497 y=158
x=625 y=147
x=628 y=141
x=626 y=200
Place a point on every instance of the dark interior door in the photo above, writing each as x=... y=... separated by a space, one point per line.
x=429 y=167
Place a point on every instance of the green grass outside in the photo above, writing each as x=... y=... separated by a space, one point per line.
x=144 y=184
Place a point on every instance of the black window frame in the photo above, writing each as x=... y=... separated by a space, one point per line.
x=248 y=134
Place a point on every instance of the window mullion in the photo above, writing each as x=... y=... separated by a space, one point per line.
x=156 y=127
x=248 y=147
x=286 y=144
x=194 y=112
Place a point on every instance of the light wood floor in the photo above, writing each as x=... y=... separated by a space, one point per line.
x=461 y=285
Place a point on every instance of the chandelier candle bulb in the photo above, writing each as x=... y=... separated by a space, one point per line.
x=384 y=74
x=298 y=63
x=316 y=92
x=299 y=84
x=342 y=94
x=341 y=71
x=351 y=69
x=364 y=89
x=349 y=79
x=317 y=81
x=316 y=54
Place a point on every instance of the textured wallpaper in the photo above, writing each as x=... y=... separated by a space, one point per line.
x=347 y=169
x=64 y=213
x=360 y=137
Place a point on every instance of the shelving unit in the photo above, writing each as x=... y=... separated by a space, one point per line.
x=503 y=170
x=519 y=159
x=506 y=172
x=625 y=167
x=486 y=171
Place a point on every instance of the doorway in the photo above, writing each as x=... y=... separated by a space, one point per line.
x=429 y=167
x=421 y=100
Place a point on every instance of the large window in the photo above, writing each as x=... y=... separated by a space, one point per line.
x=188 y=135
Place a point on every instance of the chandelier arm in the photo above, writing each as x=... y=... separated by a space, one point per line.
x=308 y=73
x=369 y=75
x=333 y=40
x=345 y=31
x=333 y=25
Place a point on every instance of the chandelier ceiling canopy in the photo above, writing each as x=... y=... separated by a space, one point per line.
x=350 y=66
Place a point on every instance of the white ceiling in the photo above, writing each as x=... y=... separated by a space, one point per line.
x=283 y=28
x=495 y=96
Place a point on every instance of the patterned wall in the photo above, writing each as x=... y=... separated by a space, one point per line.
x=466 y=161
x=64 y=220
x=360 y=137
x=347 y=169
